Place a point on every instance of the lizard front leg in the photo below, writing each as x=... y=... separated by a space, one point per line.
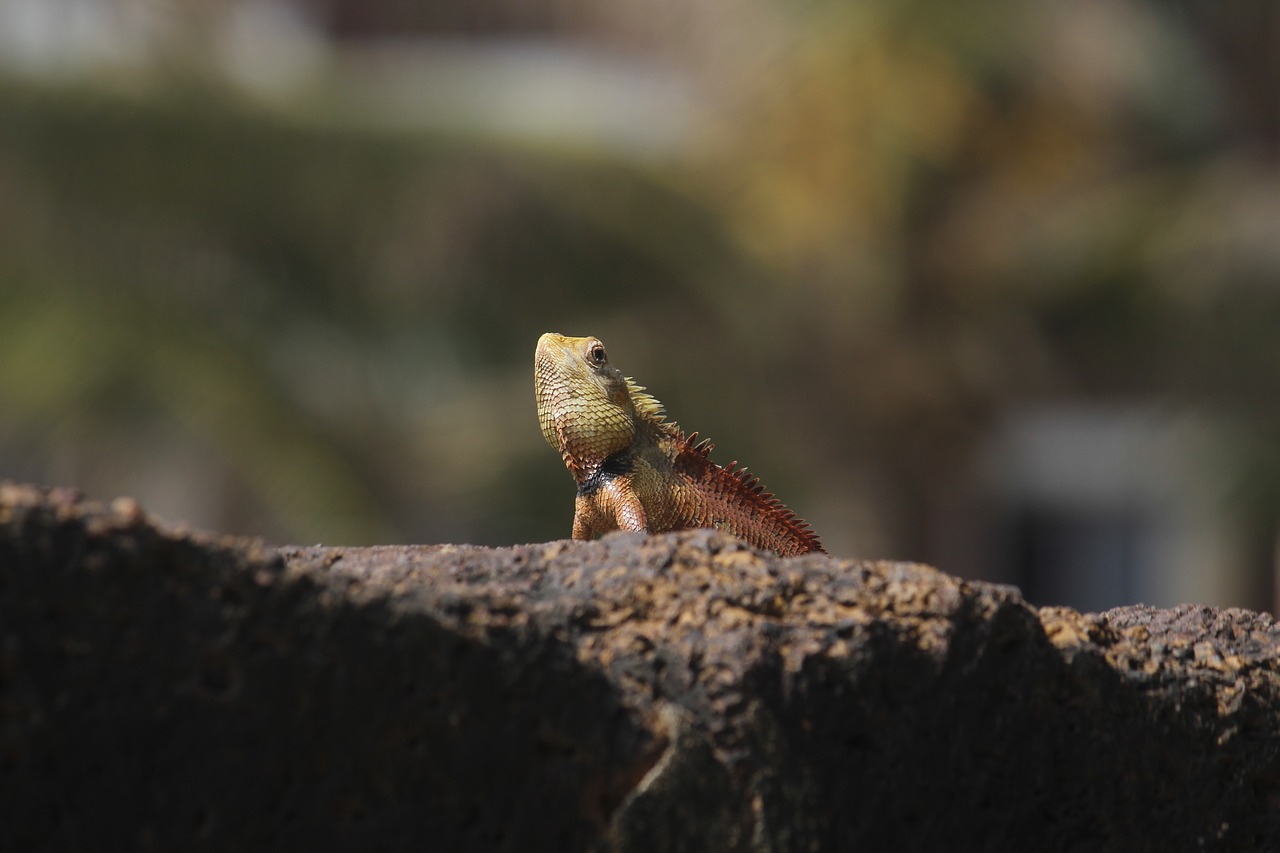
x=583 y=528
x=613 y=506
x=622 y=503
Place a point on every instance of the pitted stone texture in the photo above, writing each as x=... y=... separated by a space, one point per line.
x=164 y=691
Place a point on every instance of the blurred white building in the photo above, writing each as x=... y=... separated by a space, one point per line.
x=540 y=86
x=1097 y=506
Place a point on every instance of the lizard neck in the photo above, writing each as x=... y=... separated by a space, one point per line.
x=589 y=445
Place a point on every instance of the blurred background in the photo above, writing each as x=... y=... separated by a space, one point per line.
x=993 y=285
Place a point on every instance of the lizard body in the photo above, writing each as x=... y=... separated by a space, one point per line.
x=636 y=470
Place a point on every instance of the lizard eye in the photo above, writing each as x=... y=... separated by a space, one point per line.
x=596 y=354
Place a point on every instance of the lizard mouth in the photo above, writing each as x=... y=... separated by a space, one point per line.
x=544 y=373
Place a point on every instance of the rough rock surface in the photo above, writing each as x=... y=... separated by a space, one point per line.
x=165 y=691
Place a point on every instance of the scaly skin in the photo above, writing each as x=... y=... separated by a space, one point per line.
x=636 y=470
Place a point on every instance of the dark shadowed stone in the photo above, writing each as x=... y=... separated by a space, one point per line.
x=683 y=692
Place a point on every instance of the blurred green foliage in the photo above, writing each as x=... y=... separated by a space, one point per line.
x=893 y=223
x=339 y=314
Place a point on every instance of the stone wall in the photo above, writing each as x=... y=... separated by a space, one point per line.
x=165 y=691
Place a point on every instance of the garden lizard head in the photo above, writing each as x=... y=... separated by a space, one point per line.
x=587 y=409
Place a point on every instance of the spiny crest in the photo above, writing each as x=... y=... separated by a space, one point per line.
x=702 y=448
x=747 y=485
x=650 y=409
x=645 y=403
x=751 y=483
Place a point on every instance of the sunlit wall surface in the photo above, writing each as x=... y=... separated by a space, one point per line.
x=994 y=285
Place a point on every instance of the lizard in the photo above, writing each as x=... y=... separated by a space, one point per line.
x=635 y=469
